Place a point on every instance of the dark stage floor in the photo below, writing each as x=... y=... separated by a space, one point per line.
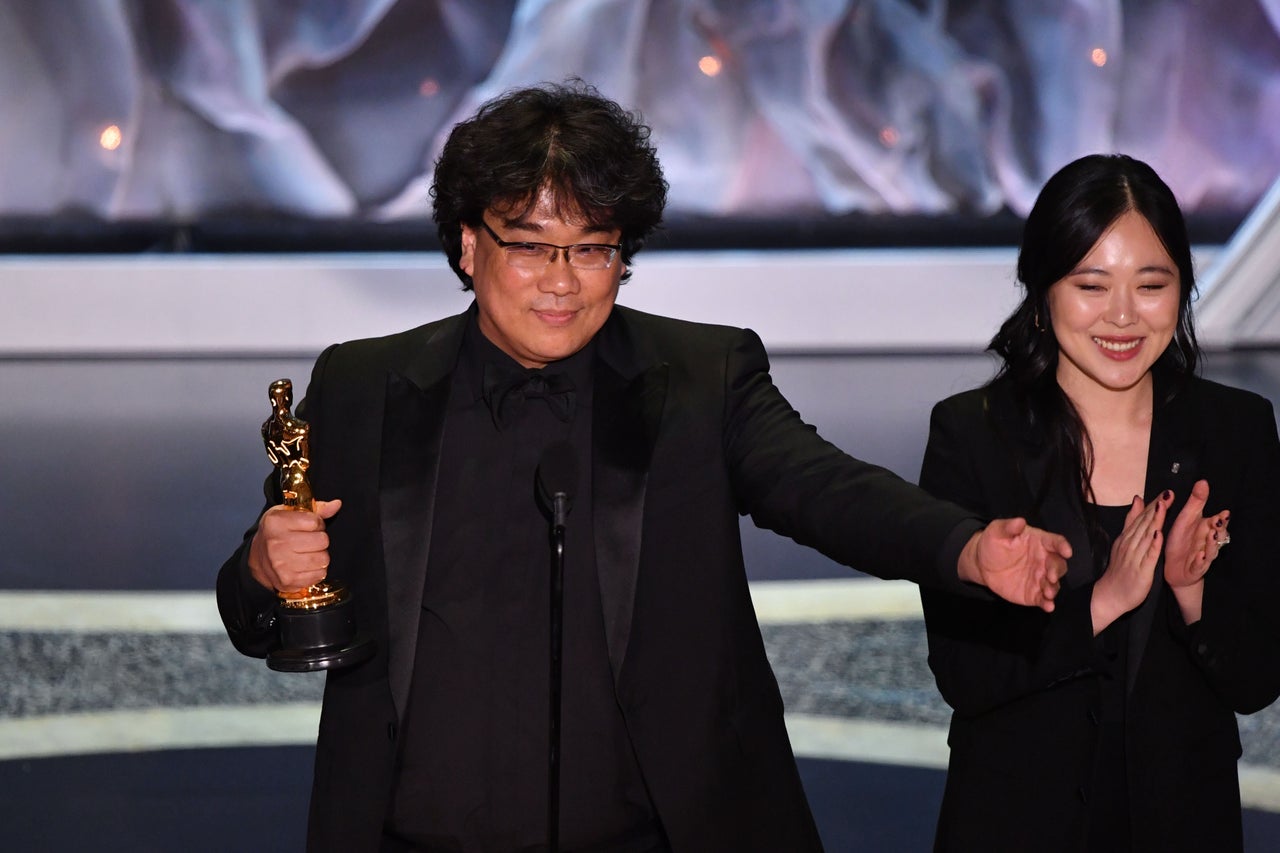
x=255 y=800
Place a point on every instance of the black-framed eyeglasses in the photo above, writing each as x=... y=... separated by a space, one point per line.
x=528 y=255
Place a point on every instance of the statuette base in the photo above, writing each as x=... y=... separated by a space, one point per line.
x=319 y=639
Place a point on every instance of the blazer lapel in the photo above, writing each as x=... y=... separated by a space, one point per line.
x=1173 y=462
x=1061 y=513
x=413 y=428
x=626 y=417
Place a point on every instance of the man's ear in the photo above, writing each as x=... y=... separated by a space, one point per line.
x=467 y=261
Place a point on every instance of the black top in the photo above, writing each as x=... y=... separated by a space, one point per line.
x=472 y=770
x=1109 y=829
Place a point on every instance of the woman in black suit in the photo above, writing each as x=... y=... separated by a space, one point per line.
x=1108 y=724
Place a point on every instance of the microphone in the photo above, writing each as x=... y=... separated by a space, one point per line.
x=557 y=477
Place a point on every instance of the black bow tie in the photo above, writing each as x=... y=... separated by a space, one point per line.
x=507 y=386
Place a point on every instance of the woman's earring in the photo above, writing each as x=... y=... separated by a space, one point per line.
x=1039 y=328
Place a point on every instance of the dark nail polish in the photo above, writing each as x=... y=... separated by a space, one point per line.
x=1218 y=523
x=1166 y=494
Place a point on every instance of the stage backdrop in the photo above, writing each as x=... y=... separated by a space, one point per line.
x=253 y=124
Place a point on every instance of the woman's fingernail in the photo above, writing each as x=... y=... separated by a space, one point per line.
x=1166 y=494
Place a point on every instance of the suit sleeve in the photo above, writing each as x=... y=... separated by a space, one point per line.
x=792 y=481
x=1236 y=643
x=985 y=653
x=247 y=608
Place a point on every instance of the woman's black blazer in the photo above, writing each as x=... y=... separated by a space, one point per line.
x=1026 y=686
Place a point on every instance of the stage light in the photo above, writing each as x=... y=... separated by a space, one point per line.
x=429 y=88
x=1099 y=57
x=709 y=65
x=110 y=137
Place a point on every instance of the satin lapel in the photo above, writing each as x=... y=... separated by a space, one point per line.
x=625 y=421
x=413 y=427
x=1173 y=462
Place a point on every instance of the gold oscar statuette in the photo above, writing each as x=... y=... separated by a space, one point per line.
x=317 y=623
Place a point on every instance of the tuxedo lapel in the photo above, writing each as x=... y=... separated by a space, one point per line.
x=627 y=414
x=629 y=395
x=413 y=429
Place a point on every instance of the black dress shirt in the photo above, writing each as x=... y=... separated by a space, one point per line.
x=472 y=773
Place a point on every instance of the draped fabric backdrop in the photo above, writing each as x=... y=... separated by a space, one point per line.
x=178 y=110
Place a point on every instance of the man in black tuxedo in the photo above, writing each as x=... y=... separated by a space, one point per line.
x=425 y=445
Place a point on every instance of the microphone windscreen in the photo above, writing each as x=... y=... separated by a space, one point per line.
x=557 y=472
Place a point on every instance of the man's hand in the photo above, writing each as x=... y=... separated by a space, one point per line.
x=1017 y=562
x=290 y=551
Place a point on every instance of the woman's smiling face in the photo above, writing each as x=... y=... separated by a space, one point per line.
x=1117 y=311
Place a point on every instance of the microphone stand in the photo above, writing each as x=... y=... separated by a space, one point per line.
x=560 y=509
x=556 y=475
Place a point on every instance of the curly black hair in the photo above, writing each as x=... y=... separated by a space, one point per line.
x=591 y=153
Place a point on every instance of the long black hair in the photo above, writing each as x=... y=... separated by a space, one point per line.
x=1075 y=208
x=595 y=157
